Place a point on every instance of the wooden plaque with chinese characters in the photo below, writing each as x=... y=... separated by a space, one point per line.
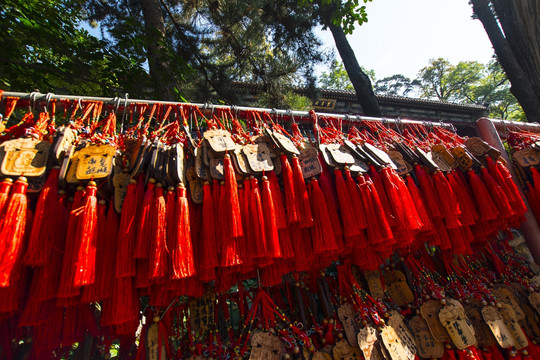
x=95 y=162
x=26 y=157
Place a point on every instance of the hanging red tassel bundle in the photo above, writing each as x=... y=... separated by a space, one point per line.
x=231 y=193
x=172 y=226
x=302 y=198
x=208 y=258
x=40 y=241
x=105 y=273
x=322 y=233
x=484 y=203
x=419 y=204
x=517 y=201
x=12 y=228
x=277 y=199
x=125 y=263
x=429 y=195
x=534 y=200
x=328 y=189
x=347 y=209
x=293 y=213
x=258 y=243
x=158 y=253
x=273 y=248
x=498 y=196
x=469 y=215
x=87 y=231
x=244 y=194
x=182 y=252
x=449 y=204
x=123 y=306
x=378 y=229
x=383 y=197
x=90 y=293
x=145 y=233
x=5 y=187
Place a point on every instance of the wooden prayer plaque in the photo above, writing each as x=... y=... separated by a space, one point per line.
x=328 y=159
x=340 y=154
x=477 y=146
x=65 y=136
x=403 y=167
x=344 y=351
x=347 y=316
x=457 y=325
x=265 y=346
x=309 y=162
x=201 y=169
x=258 y=157
x=25 y=156
x=526 y=157
x=463 y=159
x=443 y=153
x=498 y=328
x=438 y=159
x=367 y=337
x=195 y=185
x=285 y=143
x=120 y=183
x=510 y=319
x=373 y=279
x=95 y=162
x=153 y=345
x=427 y=346
x=430 y=312
x=219 y=140
x=506 y=295
x=397 y=287
x=482 y=332
x=216 y=168
x=239 y=161
x=397 y=338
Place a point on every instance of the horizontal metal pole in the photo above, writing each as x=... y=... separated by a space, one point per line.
x=504 y=126
x=36 y=97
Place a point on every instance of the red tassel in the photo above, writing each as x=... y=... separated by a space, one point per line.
x=273 y=248
x=378 y=230
x=145 y=233
x=484 y=204
x=208 y=259
x=347 y=210
x=328 y=189
x=86 y=236
x=231 y=193
x=290 y=195
x=517 y=201
x=322 y=234
x=447 y=199
x=158 y=253
x=105 y=273
x=357 y=202
x=123 y=306
x=378 y=183
x=90 y=293
x=40 y=241
x=5 y=187
x=258 y=242
x=419 y=204
x=12 y=228
x=429 y=195
x=182 y=251
x=469 y=215
x=125 y=263
x=534 y=200
x=498 y=196
x=246 y=243
x=302 y=198
x=277 y=198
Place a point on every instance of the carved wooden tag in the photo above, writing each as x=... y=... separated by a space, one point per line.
x=152 y=344
x=95 y=161
x=442 y=152
x=320 y=355
x=201 y=310
x=438 y=159
x=397 y=338
x=403 y=167
x=195 y=185
x=534 y=299
x=176 y=163
x=397 y=287
x=219 y=140
x=328 y=159
x=505 y=295
x=367 y=337
x=498 y=328
x=530 y=323
x=283 y=142
x=309 y=161
x=482 y=331
x=463 y=159
x=216 y=168
x=258 y=157
x=457 y=325
x=510 y=319
x=427 y=346
x=347 y=316
x=373 y=278
x=340 y=154
x=64 y=139
x=430 y=312
x=120 y=183
x=201 y=169
x=359 y=166
x=379 y=155
x=477 y=146
x=265 y=346
x=239 y=161
x=344 y=351
x=526 y=157
x=25 y=156
x=277 y=165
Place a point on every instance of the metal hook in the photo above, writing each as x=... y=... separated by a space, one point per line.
x=48 y=98
x=33 y=98
x=117 y=106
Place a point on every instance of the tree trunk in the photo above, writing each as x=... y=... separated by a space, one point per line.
x=361 y=83
x=156 y=50
x=516 y=46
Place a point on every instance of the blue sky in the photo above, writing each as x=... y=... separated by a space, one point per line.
x=402 y=35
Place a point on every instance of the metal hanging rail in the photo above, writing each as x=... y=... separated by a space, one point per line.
x=37 y=97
